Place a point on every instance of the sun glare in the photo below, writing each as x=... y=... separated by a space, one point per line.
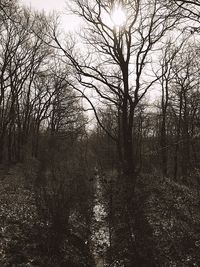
x=118 y=17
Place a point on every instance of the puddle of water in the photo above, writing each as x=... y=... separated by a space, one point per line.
x=100 y=233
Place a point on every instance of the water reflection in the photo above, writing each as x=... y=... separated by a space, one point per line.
x=100 y=233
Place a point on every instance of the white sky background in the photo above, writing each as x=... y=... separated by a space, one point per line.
x=68 y=22
x=48 y=5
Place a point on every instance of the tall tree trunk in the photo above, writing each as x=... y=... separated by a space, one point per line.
x=186 y=139
x=1 y=148
x=177 y=145
x=127 y=133
x=164 y=107
x=163 y=143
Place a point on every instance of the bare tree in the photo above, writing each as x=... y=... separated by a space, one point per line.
x=185 y=85
x=169 y=55
x=188 y=10
x=118 y=63
x=23 y=54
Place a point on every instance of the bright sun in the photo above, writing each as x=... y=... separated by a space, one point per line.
x=118 y=17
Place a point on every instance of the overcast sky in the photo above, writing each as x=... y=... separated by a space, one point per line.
x=69 y=22
x=47 y=5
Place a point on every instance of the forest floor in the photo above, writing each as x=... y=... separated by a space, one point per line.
x=18 y=218
x=170 y=218
x=172 y=212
